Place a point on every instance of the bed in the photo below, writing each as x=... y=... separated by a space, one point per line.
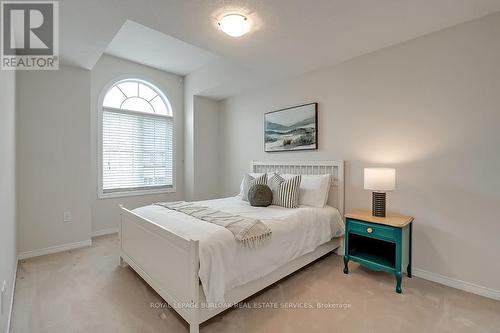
x=201 y=271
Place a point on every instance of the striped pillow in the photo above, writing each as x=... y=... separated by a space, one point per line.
x=285 y=192
x=251 y=181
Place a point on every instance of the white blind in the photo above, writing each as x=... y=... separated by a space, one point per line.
x=136 y=151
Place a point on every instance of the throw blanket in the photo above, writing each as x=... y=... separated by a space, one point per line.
x=250 y=232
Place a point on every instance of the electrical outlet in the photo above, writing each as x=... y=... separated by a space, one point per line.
x=2 y=295
x=67 y=217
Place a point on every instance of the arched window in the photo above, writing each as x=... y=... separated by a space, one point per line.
x=137 y=140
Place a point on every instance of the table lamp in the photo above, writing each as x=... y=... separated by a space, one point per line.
x=379 y=180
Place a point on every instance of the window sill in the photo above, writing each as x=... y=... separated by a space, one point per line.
x=102 y=195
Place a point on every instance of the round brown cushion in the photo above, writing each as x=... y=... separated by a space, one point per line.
x=260 y=195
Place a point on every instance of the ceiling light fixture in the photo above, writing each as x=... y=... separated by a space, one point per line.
x=235 y=25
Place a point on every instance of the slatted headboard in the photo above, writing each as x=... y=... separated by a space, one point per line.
x=333 y=168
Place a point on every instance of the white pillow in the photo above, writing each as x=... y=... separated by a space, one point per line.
x=314 y=190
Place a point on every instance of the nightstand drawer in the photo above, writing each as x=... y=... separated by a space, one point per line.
x=373 y=230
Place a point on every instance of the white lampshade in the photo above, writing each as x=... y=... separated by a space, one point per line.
x=380 y=179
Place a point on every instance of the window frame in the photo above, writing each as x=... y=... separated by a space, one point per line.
x=101 y=108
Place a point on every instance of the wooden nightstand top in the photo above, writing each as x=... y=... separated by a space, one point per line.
x=398 y=221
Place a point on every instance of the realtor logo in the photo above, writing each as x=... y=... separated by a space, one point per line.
x=30 y=35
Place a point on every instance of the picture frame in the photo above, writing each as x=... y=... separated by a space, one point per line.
x=291 y=129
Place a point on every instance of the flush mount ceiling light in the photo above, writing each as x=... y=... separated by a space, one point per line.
x=235 y=25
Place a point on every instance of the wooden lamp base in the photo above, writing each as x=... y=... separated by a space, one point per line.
x=378 y=204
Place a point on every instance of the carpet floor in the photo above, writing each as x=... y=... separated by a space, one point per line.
x=85 y=290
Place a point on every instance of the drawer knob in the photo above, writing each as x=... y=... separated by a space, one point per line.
x=369 y=230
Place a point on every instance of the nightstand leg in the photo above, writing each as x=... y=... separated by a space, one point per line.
x=346 y=269
x=408 y=269
x=399 y=277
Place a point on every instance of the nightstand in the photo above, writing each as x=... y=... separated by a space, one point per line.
x=379 y=243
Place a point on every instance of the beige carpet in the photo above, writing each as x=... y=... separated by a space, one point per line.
x=85 y=291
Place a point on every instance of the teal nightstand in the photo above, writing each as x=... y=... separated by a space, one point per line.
x=379 y=243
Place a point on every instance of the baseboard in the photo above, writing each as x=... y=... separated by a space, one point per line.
x=54 y=249
x=9 y=318
x=457 y=284
x=103 y=232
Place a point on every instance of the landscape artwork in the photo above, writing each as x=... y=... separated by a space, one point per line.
x=294 y=128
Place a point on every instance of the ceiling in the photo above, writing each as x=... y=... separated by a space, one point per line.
x=147 y=46
x=290 y=37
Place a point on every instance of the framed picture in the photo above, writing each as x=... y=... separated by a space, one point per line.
x=291 y=129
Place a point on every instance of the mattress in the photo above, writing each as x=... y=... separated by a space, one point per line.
x=224 y=263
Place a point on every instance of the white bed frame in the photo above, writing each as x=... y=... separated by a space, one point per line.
x=170 y=263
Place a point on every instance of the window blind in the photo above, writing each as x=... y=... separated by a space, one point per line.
x=136 y=151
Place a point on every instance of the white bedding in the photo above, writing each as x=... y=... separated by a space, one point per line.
x=225 y=263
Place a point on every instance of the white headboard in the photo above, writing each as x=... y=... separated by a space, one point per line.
x=333 y=168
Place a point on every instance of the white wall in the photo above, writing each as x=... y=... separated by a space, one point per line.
x=8 y=252
x=53 y=154
x=105 y=212
x=57 y=152
x=201 y=139
x=430 y=108
x=189 y=91
x=206 y=150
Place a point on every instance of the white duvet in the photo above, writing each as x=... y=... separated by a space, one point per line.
x=225 y=263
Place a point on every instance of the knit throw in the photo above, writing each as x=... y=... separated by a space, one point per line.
x=249 y=232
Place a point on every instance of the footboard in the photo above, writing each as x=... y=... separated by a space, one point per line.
x=164 y=260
